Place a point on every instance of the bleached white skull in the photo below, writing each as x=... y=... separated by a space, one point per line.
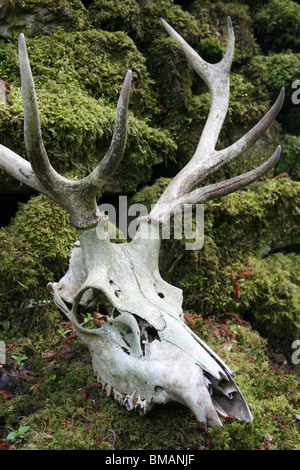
x=144 y=354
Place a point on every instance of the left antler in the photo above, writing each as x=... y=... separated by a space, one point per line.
x=77 y=197
x=206 y=158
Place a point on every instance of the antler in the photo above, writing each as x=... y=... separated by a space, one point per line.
x=206 y=158
x=77 y=197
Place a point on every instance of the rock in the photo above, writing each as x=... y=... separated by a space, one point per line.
x=14 y=20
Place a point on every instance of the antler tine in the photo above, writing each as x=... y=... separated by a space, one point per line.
x=253 y=135
x=77 y=197
x=220 y=158
x=114 y=155
x=212 y=191
x=32 y=129
x=206 y=158
x=216 y=76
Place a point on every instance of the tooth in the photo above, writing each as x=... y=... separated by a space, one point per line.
x=139 y=409
x=141 y=406
x=118 y=396
x=146 y=347
x=132 y=397
x=127 y=402
x=108 y=389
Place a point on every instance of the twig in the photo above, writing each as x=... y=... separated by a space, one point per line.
x=175 y=262
x=114 y=441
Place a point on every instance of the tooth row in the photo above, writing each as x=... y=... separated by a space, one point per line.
x=129 y=401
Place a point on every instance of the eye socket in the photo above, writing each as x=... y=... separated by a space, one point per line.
x=96 y=310
x=161 y=295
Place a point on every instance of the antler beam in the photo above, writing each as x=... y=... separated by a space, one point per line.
x=206 y=158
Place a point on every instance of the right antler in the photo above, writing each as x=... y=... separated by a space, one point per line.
x=207 y=159
x=77 y=197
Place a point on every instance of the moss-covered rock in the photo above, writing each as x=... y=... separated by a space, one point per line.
x=34 y=250
x=290 y=158
x=215 y=14
x=249 y=263
x=141 y=19
x=268 y=74
x=65 y=409
x=269 y=296
x=182 y=96
x=277 y=25
x=34 y=17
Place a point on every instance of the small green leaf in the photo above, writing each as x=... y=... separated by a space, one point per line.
x=23 y=429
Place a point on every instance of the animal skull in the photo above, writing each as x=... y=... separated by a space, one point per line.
x=144 y=354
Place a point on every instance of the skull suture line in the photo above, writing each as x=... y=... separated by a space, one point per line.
x=144 y=354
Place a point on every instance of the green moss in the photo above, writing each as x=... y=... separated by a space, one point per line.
x=34 y=17
x=211 y=49
x=34 y=250
x=40 y=221
x=55 y=6
x=272 y=394
x=97 y=61
x=277 y=25
x=79 y=73
x=187 y=104
x=269 y=297
x=66 y=410
x=150 y=194
x=215 y=14
x=268 y=73
x=141 y=19
x=265 y=213
x=290 y=158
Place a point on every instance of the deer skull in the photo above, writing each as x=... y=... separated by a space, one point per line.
x=144 y=354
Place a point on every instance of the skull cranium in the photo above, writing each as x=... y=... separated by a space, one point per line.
x=144 y=354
